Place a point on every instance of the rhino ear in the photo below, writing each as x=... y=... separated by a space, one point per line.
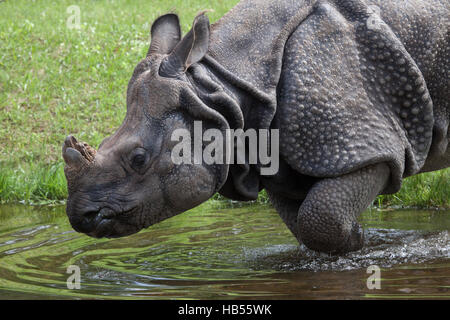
x=191 y=49
x=165 y=33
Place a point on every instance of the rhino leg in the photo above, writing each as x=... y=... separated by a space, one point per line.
x=327 y=218
x=288 y=211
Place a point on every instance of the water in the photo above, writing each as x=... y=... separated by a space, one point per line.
x=212 y=253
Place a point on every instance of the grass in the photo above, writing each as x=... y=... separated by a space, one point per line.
x=37 y=184
x=56 y=81
x=424 y=190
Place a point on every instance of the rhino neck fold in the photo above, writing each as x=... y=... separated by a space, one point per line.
x=244 y=107
x=245 y=58
x=236 y=99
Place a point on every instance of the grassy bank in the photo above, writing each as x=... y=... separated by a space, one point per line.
x=56 y=81
x=47 y=184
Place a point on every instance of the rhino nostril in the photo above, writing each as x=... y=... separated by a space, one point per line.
x=90 y=215
x=103 y=213
x=106 y=213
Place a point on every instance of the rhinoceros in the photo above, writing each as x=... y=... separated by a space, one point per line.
x=357 y=89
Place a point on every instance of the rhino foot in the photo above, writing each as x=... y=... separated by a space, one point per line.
x=327 y=218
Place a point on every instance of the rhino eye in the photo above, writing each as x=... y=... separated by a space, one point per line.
x=138 y=158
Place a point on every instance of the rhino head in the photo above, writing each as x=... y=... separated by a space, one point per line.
x=131 y=182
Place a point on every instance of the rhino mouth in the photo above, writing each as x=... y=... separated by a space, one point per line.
x=106 y=223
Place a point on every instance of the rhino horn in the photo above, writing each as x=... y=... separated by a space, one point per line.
x=73 y=158
x=76 y=154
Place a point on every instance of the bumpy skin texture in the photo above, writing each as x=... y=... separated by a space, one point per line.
x=356 y=96
x=359 y=90
x=363 y=84
x=327 y=218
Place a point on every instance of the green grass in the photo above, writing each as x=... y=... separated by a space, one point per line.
x=37 y=184
x=424 y=190
x=56 y=81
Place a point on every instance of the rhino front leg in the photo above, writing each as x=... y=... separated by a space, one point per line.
x=287 y=209
x=327 y=218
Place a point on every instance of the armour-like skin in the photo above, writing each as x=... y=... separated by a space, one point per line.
x=358 y=89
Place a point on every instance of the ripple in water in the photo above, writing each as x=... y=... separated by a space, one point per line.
x=383 y=247
x=212 y=253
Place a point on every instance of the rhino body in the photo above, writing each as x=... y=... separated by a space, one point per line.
x=359 y=91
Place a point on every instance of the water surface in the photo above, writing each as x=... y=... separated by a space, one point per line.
x=213 y=253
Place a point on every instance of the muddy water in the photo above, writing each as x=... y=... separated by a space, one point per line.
x=212 y=253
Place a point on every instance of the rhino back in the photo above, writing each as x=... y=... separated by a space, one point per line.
x=424 y=29
x=249 y=40
x=351 y=95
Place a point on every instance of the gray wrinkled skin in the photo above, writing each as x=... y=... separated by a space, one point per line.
x=358 y=89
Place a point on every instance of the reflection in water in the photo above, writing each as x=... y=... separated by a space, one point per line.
x=210 y=253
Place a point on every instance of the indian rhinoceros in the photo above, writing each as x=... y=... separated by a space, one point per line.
x=358 y=90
